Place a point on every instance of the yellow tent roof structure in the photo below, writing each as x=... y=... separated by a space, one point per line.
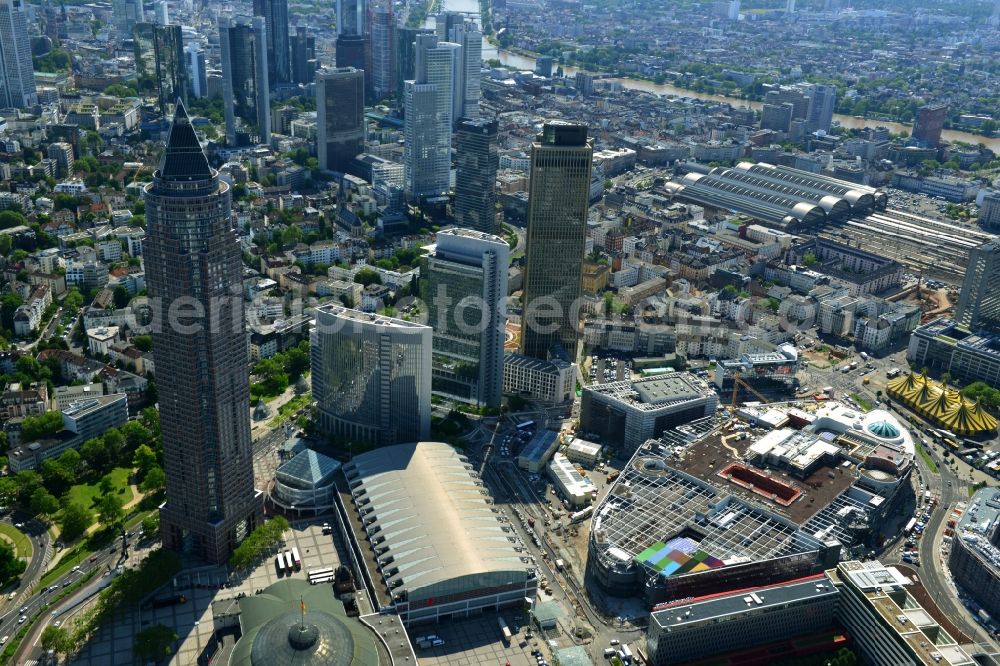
x=941 y=404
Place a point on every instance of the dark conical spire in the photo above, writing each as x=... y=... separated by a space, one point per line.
x=183 y=158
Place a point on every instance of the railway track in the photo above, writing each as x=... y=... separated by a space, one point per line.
x=933 y=248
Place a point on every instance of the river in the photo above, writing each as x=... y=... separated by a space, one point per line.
x=518 y=61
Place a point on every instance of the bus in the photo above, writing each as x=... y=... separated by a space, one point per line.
x=527 y=425
x=289 y=566
x=296 y=560
x=894 y=372
x=279 y=563
x=504 y=629
x=324 y=575
x=909 y=526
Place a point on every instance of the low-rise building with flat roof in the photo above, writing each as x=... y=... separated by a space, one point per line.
x=538 y=450
x=625 y=414
x=583 y=452
x=575 y=487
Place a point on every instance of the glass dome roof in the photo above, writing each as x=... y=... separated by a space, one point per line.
x=286 y=640
x=883 y=429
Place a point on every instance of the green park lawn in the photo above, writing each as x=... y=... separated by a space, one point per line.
x=87 y=493
x=22 y=544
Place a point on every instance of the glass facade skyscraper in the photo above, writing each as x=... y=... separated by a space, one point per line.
x=17 y=70
x=243 y=44
x=476 y=161
x=275 y=13
x=979 y=302
x=464 y=286
x=428 y=120
x=558 y=199
x=340 y=117
x=160 y=63
x=193 y=270
x=371 y=376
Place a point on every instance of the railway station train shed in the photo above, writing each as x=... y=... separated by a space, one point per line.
x=776 y=195
x=431 y=536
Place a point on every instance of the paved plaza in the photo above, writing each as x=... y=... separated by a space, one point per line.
x=193 y=620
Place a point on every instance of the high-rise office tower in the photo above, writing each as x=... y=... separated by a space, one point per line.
x=406 y=55
x=558 y=198
x=465 y=99
x=791 y=95
x=444 y=22
x=464 y=284
x=275 y=13
x=194 y=58
x=17 y=72
x=979 y=302
x=776 y=117
x=126 y=14
x=340 y=117
x=159 y=63
x=193 y=270
x=790 y=6
x=243 y=43
x=351 y=17
x=352 y=51
x=161 y=12
x=477 y=158
x=371 y=376
x=928 y=123
x=382 y=22
x=822 y=102
x=303 y=57
x=427 y=125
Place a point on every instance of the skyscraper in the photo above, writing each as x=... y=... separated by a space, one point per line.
x=464 y=284
x=340 y=117
x=979 y=302
x=382 y=22
x=558 y=197
x=126 y=14
x=17 y=72
x=194 y=58
x=465 y=98
x=928 y=123
x=371 y=376
x=303 y=57
x=444 y=22
x=243 y=43
x=427 y=125
x=159 y=63
x=193 y=270
x=275 y=13
x=351 y=17
x=406 y=55
x=822 y=102
x=476 y=161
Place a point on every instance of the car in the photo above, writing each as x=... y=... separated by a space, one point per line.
x=76 y=568
x=12 y=595
x=24 y=609
x=22 y=619
x=615 y=641
x=93 y=558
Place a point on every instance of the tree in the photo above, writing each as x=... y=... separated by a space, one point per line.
x=56 y=478
x=144 y=459
x=11 y=566
x=113 y=442
x=109 y=509
x=43 y=503
x=121 y=296
x=73 y=300
x=8 y=491
x=151 y=524
x=946 y=378
x=44 y=425
x=136 y=434
x=153 y=643
x=143 y=342
x=57 y=639
x=94 y=453
x=27 y=481
x=76 y=518
x=809 y=260
x=106 y=485
x=365 y=277
x=155 y=479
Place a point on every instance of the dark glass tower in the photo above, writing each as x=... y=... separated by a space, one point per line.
x=477 y=160
x=193 y=271
x=340 y=117
x=275 y=13
x=558 y=198
x=979 y=302
x=159 y=63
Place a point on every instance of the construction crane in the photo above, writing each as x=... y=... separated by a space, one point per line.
x=737 y=383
